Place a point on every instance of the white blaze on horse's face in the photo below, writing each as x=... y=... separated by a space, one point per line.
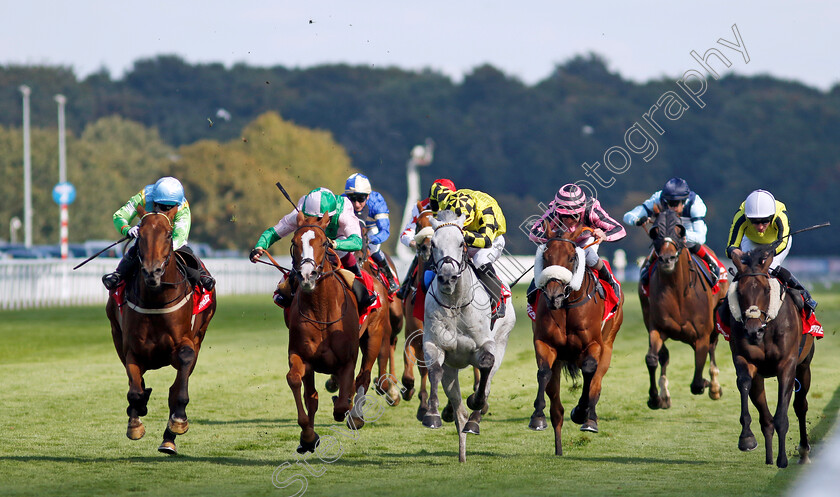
x=448 y=252
x=308 y=275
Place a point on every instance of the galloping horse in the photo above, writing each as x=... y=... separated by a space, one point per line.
x=458 y=329
x=324 y=332
x=413 y=351
x=570 y=333
x=767 y=340
x=154 y=326
x=680 y=305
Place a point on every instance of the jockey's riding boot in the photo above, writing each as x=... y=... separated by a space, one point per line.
x=283 y=294
x=791 y=281
x=487 y=275
x=389 y=277
x=606 y=275
x=405 y=288
x=207 y=281
x=531 y=294
x=126 y=267
x=364 y=298
x=714 y=269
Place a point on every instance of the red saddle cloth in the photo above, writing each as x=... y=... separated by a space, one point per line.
x=610 y=307
x=201 y=299
x=810 y=325
x=419 y=309
x=367 y=279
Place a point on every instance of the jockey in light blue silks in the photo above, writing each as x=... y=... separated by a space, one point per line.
x=371 y=209
x=165 y=194
x=677 y=196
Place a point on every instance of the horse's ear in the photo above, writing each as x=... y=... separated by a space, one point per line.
x=739 y=265
x=435 y=222
x=171 y=212
x=461 y=220
x=766 y=260
x=325 y=220
x=549 y=231
x=300 y=218
x=141 y=211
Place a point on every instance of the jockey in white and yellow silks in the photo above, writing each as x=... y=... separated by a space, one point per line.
x=484 y=229
x=761 y=221
x=343 y=230
x=677 y=196
x=165 y=194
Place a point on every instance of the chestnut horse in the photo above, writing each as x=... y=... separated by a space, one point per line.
x=324 y=332
x=569 y=332
x=680 y=305
x=154 y=326
x=766 y=341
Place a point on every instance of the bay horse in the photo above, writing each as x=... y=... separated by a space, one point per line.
x=324 y=332
x=154 y=326
x=570 y=333
x=458 y=330
x=680 y=305
x=413 y=350
x=766 y=340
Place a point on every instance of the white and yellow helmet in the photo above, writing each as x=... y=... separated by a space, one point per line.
x=760 y=204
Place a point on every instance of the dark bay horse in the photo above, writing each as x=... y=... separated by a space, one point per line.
x=767 y=341
x=324 y=332
x=680 y=306
x=155 y=327
x=569 y=333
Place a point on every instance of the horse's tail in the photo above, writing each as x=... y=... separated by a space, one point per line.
x=572 y=372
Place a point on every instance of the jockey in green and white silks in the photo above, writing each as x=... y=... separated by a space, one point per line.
x=165 y=194
x=343 y=230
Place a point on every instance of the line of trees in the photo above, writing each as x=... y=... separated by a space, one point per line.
x=493 y=133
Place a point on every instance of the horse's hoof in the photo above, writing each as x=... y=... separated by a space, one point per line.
x=305 y=447
x=590 y=426
x=538 y=423
x=178 y=426
x=699 y=389
x=331 y=385
x=432 y=421
x=448 y=413
x=393 y=396
x=473 y=404
x=578 y=415
x=653 y=403
x=136 y=430
x=747 y=444
x=421 y=413
x=665 y=403
x=355 y=423
x=408 y=394
x=715 y=394
x=168 y=447
x=471 y=427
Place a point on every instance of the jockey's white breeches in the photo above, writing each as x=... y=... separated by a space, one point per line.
x=747 y=245
x=482 y=256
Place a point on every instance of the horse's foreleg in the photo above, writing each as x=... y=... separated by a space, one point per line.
x=701 y=350
x=800 y=407
x=715 y=390
x=434 y=363
x=584 y=412
x=412 y=354
x=652 y=361
x=765 y=419
x=295 y=379
x=179 y=395
x=546 y=355
x=556 y=410
x=781 y=423
x=453 y=392
x=138 y=397
x=484 y=360
x=744 y=373
x=342 y=401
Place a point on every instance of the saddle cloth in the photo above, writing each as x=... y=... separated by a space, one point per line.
x=810 y=325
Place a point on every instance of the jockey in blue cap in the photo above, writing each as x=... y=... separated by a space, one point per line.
x=370 y=208
x=165 y=194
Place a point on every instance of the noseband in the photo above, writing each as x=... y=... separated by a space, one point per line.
x=318 y=268
x=567 y=287
x=168 y=235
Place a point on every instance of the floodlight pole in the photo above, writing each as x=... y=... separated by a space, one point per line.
x=421 y=155
x=27 y=170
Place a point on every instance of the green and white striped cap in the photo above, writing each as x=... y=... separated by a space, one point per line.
x=319 y=202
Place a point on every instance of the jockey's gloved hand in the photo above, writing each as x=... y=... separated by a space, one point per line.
x=255 y=254
x=333 y=243
x=134 y=232
x=642 y=220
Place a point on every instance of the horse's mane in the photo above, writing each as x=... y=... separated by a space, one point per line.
x=446 y=216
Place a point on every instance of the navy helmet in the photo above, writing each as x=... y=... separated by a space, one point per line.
x=675 y=189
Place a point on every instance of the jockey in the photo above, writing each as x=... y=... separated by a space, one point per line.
x=484 y=229
x=165 y=194
x=410 y=230
x=370 y=207
x=677 y=196
x=343 y=231
x=761 y=221
x=569 y=209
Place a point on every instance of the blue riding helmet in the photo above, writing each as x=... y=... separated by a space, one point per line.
x=168 y=191
x=675 y=189
x=357 y=183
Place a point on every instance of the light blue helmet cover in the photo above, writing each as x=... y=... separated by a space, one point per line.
x=168 y=191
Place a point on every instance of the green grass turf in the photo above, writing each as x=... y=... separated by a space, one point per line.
x=62 y=421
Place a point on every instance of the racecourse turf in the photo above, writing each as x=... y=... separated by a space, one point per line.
x=63 y=400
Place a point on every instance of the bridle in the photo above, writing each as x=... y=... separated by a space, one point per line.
x=762 y=315
x=318 y=269
x=462 y=264
x=166 y=260
x=567 y=288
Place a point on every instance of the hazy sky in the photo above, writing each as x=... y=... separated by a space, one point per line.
x=640 y=39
